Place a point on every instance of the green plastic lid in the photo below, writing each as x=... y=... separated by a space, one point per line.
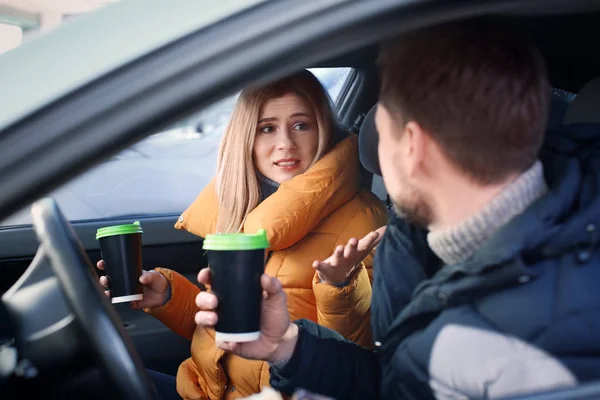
x=236 y=241
x=119 y=230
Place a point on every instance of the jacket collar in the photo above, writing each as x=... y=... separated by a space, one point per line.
x=567 y=217
x=296 y=208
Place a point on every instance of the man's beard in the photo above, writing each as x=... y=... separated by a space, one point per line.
x=413 y=208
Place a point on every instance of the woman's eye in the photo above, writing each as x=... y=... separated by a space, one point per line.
x=301 y=126
x=267 y=129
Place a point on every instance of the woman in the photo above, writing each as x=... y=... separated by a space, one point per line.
x=283 y=166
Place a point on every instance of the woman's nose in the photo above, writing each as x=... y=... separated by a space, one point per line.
x=285 y=140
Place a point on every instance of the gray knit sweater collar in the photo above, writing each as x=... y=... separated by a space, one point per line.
x=460 y=242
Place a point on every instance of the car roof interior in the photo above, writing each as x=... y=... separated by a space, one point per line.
x=565 y=40
x=568 y=43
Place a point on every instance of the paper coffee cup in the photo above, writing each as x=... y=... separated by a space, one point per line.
x=121 y=249
x=236 y=262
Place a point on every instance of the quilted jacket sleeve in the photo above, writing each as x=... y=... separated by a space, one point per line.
x=323 y=362
x=347 y=309
x=178 y=313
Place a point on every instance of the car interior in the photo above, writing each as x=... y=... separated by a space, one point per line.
x=568 y=43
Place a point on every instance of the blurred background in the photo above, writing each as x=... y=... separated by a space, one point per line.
x=21 y=20
x=159 y=175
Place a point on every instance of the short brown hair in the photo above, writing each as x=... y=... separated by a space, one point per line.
x=480 y=92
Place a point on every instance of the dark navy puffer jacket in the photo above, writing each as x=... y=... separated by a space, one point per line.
x=521 y=315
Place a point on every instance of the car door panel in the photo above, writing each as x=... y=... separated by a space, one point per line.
x=162 y=245
x=96 y=195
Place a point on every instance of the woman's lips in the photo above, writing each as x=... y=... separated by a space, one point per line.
x=288 y=164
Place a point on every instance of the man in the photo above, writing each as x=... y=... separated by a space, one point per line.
x=514 y=309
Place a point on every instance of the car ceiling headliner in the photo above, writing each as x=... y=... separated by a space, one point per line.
x=568 y=43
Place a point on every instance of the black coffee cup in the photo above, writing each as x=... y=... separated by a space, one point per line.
x=236 y=262
x=121 y=250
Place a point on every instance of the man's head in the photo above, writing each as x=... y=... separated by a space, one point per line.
x=458 y=102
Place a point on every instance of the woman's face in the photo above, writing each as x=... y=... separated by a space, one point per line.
x=287 y=138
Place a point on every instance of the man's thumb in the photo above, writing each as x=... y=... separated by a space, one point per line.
x=270 y=285
x=146 y=278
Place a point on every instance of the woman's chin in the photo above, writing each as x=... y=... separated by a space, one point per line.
x=282 y=176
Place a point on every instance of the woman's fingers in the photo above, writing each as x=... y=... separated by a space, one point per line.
x=337 y=255
x=103 y=279
x=147 y=277
x=369 y=241
x=227 y=346
x=136 y=304
x=321 y=265
x=350 y=252
x=350 y=249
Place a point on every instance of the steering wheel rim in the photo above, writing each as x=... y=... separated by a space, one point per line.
x=101 y=325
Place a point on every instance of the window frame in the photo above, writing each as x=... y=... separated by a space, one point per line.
x=347 y=88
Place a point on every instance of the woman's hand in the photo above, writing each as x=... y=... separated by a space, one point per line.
x=156 y=288
x=337 y=269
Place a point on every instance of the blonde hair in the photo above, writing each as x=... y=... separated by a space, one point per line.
x=237 y=186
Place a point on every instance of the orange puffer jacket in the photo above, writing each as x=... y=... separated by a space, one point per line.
x=305 y=219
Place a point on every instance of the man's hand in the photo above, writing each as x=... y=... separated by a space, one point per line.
x=336 y=270
x=278 y=335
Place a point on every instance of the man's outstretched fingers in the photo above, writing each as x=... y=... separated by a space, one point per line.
x=100 y=264
x=104 y=281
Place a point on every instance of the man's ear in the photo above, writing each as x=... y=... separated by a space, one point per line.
x=416 y=146
x=385 y=123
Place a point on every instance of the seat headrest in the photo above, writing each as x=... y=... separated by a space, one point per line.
x=580 y=109
x=368 y=139
x=585 y=108
x=559 y=104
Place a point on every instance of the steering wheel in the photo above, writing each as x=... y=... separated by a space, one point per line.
x=99 y=321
